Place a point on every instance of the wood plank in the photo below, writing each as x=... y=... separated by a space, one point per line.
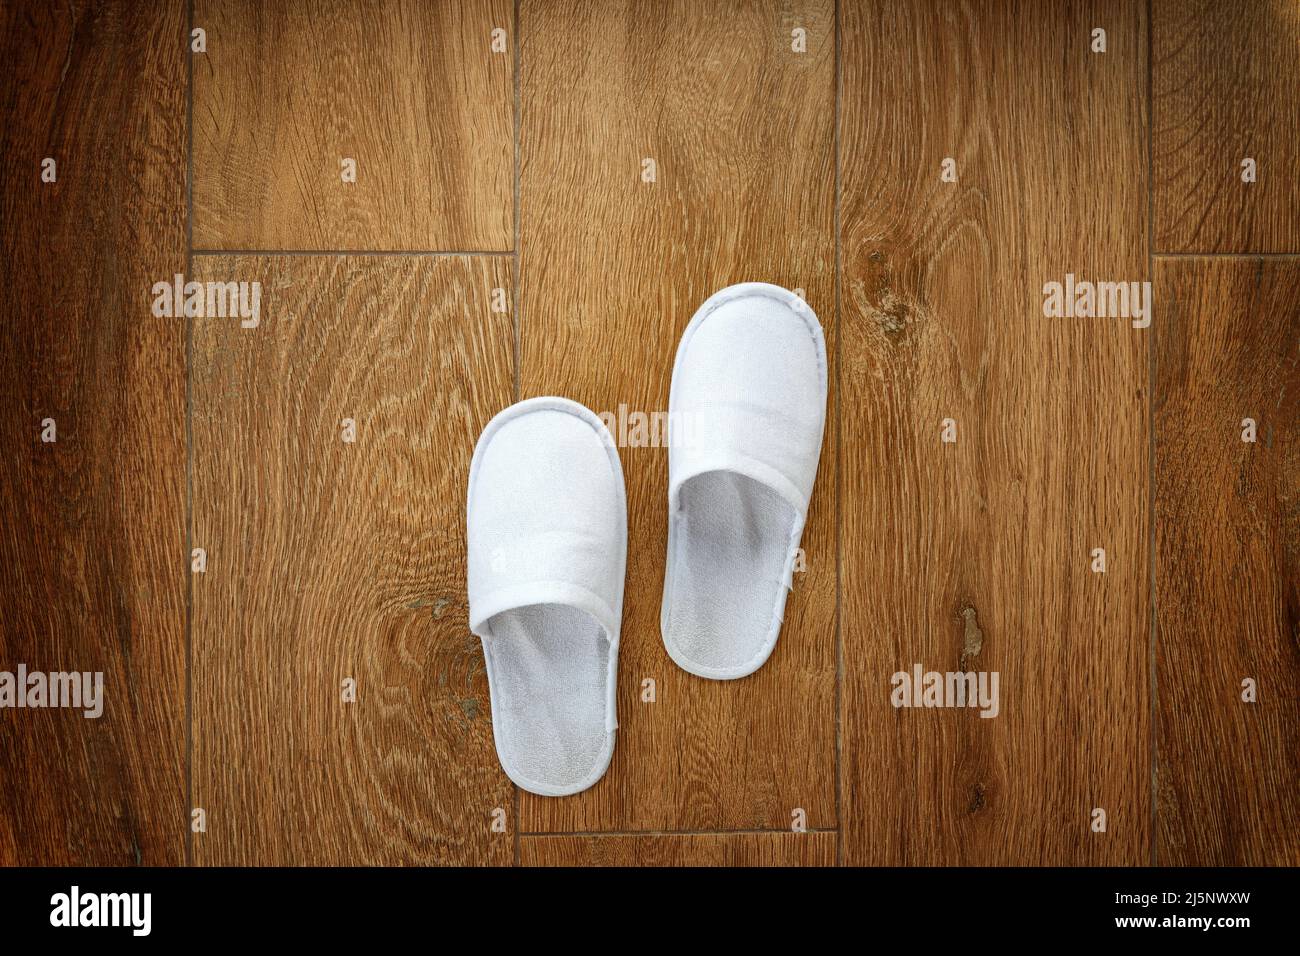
x=976 y=556
x=330 y=560
x=1224 y=89
x=677 y=849
x=612 y=268
x=410 y=89
x=1228 y=562
x=93 y=537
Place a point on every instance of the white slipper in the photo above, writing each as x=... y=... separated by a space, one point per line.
x=745 y=421
x=547 y=538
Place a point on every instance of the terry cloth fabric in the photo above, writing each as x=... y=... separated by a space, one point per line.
x=547 y=541
x=746 y=416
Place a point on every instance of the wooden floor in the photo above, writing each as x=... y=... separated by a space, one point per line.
x=237 y=525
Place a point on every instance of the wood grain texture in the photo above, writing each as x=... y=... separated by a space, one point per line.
x=976 y=555
x=679 y=849
x=92 y=559
x=612 y=269
x=410 y=89
x=1228 y=562
x=329 y=560
x=1225 y=88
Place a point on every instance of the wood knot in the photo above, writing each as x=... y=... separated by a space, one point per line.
x=893 y=317
x=973 y=637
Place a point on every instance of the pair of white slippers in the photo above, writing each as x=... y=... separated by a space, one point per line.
x=547 y=532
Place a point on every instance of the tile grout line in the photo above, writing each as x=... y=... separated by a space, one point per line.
x=839 y=467
x=674 y=833
x=189 y=454
x=518 y=303
x=449 y=253
x=1153 y=740
x=1284 y=256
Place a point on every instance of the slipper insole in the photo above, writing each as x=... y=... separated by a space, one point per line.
x=732 y=542
x=551 y=668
